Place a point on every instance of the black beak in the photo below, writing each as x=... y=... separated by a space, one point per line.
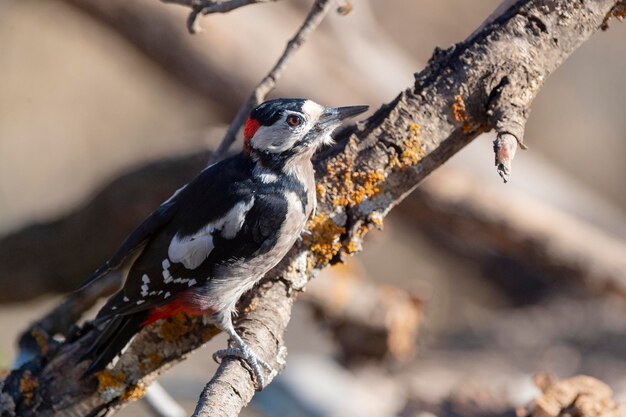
x=333 y=116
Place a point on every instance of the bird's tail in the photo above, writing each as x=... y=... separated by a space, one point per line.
x=114 y=337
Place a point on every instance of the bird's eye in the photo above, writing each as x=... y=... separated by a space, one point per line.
x=294 y=120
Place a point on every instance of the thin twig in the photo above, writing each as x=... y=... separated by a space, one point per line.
x=316 y=15
x=206 y=7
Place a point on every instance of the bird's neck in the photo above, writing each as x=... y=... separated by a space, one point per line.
x=296 y=165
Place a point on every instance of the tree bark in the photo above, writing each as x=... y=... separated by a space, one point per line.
x=488 y=81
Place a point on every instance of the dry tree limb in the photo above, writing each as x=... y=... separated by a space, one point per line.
x=367 y=320
x=552 y=242
x=581 y=396
x=206 y=7
x=152 y=32
x=311 y=22
x=373 y=167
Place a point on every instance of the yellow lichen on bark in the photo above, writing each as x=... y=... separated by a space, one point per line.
x=27 y=385
x=460 y=116
x=324 y=240
x=173 y=329
x=109 y=380
x=151 y=361
x=412 y=151
x=320 y=190
x=134 y=393
x=354 y=245
x=42 y=341
x=112 y=384
x=350 y=187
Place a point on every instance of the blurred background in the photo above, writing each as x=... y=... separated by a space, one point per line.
x=472 y=287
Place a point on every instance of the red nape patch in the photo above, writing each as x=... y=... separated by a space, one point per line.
x=252 y=125
x=175 y=307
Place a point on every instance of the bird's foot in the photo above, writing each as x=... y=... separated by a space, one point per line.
x=254 y=362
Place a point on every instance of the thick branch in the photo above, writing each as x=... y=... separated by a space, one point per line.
x=373 y=168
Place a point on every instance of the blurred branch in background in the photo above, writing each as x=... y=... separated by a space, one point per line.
x=153 y=32
x=474 y=217
x=582 y=396
x=368 y=321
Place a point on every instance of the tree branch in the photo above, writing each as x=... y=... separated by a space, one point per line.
x=472 y=216
x=311 y=22
x=206 y=7
x=150 y=29
x=373 y=167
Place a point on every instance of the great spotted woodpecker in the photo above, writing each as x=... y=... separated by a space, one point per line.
x=217 y=236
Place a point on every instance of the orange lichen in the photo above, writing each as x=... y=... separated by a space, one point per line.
x=618 y=11
x=351 y=247
x=354 y=245
x=251 y=306
x=109 y=380
x=27 y=385
x=173 y=329
x=150 y=362
x=458 y=110
x=324 y=238
x=134 y=393
x=412 y=151
x=320 y=190
x=350 y=188
x=412 y=145
x=42 y=341
x=376 y=219
x=114 y=383
x=460 y=116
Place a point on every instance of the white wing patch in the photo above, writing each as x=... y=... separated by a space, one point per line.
x=144 y=286
x=192 y=250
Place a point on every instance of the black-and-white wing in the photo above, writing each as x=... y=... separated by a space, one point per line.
x=221 y=217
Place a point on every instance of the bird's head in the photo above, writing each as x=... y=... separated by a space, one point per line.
x=292 y=127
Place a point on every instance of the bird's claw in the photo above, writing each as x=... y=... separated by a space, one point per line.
x=254 y=362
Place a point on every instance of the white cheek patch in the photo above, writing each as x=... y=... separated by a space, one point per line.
x=192 y=250
x=276 y=138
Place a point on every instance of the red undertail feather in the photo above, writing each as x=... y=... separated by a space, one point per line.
x=174 y=308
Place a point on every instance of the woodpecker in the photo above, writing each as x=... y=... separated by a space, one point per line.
x=217 y=236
